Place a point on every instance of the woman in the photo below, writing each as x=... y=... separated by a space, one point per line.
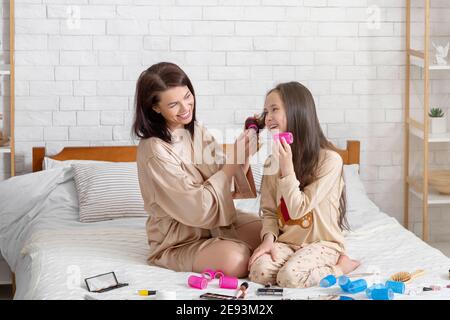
x=193 y=224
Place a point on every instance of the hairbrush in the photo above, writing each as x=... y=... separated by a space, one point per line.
x=406 y=277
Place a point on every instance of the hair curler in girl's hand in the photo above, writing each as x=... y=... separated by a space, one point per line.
x=288 y=136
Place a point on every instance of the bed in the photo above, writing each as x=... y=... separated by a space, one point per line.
x=50 y=251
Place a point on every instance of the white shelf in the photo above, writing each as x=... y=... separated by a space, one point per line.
x=5 y=149
x=5 y=272
x=443 y=137
x=433 y=196
x=420 y=63
x=5 y=69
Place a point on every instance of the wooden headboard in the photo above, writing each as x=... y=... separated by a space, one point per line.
x=128 y=154
x=351 y=154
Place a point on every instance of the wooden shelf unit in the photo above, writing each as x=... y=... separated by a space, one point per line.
x=422 y=191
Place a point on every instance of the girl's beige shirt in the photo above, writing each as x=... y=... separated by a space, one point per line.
x=314 y=212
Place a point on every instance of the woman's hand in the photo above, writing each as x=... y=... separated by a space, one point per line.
x=244 y=147
x=230 y=169
x=283 y=152
x=267 y=246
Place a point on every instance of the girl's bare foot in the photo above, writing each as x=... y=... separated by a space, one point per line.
x=346 y=264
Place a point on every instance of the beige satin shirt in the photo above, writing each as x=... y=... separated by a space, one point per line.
x=187 y=196
x=314 y=211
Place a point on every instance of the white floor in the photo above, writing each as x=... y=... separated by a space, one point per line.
x=6 y=292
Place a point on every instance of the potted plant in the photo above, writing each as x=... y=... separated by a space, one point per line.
x=438 y=120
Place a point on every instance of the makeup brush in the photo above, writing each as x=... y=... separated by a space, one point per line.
x=362 y=274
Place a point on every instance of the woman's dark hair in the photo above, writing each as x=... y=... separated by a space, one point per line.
x=156 y=79
x=302 y=121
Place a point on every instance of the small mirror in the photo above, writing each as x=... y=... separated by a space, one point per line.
x=103 y=282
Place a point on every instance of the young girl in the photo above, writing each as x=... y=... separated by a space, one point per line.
x=303 y=203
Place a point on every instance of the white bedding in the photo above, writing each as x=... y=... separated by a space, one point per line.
x=51 y=252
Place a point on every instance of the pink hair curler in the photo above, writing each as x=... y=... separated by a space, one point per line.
x=288 y=136
x=211 y=274
x=226 y=282
x=197 y=282
x=255 y=123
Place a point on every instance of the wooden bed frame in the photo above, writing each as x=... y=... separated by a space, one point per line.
x=128 y=154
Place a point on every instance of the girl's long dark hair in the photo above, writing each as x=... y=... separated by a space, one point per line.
x=303 y=122
x=156 y=79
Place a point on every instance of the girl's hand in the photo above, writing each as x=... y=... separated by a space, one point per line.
x=267 y=246
x=283 y=152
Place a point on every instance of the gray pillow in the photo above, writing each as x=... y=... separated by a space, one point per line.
x=108 y=191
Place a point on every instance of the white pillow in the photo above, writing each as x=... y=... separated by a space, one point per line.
x=49 y=163
x=257 y=164
x=257 y=171
x=357 y=198
x=353 y=183
x=108 y=191
x=360 y=208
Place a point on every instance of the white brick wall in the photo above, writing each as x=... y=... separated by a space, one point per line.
x=75 y=85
